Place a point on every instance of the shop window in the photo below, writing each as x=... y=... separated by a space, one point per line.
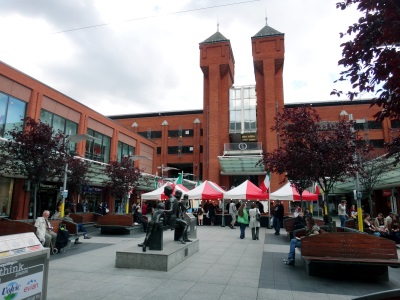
x=99 y=149
x=6 y=191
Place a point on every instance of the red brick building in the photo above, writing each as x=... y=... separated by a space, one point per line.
x=23 y=96
x=193 y=141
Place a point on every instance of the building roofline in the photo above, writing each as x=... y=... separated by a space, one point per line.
x=157 y=114
x=329 y=103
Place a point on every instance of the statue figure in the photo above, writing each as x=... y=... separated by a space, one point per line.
x=172 y=213
x=182 y=208
x=167 y=218
x=157 y=222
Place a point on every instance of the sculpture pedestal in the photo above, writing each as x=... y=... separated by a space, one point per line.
x=173 y=254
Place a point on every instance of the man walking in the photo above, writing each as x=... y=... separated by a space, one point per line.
x=233 y=213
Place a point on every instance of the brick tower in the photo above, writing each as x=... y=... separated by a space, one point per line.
x=268 y=57
x=217 y=64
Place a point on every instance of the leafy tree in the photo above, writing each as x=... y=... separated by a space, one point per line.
x=313 y=150
x=37 y=153
x=291 y=158
x=372 y=57
x=77 y=174
x=370 y=172
x=123 y=177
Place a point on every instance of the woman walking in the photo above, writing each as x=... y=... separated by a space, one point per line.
x=243 y=219
x=254 y=224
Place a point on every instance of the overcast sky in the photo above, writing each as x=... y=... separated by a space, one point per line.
x=146 y=59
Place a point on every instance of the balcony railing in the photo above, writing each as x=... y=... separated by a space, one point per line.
x=244 y=148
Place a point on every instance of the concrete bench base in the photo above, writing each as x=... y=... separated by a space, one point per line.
x=173 y=254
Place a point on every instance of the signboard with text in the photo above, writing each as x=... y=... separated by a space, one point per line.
x=23 y=267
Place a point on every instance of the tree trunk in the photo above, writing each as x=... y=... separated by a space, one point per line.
x=35 y=190
x=370 y=203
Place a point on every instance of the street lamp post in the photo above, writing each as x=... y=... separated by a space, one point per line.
x=165 y=169
x=76 y=138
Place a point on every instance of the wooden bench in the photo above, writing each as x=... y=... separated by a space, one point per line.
x=116 y=224
x=351 y=223
x=8 y=227
x=350 y=254
x=87 y=219
x=288 y=224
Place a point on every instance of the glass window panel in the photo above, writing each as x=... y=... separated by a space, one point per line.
x=15 y=113
x=119 y=151
x=232 y=116
x=71 y=128
x=238 y=125
x=246 y=103
x=238 y=94
x=253 y=92
x=59 y=124
x=253 y=103
x=246 y=93
x=46 y=117
x=106 y=148
x=231 y=93
x=3 y=110
x=131 y=151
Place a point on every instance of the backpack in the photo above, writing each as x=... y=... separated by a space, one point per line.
x=199 y=211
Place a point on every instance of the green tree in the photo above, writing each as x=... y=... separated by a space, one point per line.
x=370 y=172
x=38 y=153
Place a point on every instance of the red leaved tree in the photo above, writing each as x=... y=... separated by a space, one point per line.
x=312 y=150
x=37 y=153
x=371 y=58
x=123 y=177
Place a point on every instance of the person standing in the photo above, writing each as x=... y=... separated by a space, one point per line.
x=260 y=207
x=211 y=213
x=254 y=224
x=342 y=212
x=232 y=212
x=278 y=217
x=243 y=219
x=200 y=216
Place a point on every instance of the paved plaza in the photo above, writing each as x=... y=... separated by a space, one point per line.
x=225 y=267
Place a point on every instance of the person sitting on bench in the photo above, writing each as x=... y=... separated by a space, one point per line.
x=312 y=229
x=44 y=230
x=81 y=228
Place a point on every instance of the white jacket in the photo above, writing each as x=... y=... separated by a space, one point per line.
x=42 y=228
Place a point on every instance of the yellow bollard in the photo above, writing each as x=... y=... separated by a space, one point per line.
x=62 y=209
x=360 y=219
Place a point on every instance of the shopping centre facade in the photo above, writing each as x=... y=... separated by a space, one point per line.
x=221 y=142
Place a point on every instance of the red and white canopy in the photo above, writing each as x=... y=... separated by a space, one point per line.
x=208 y=190
x=288 y=192
x=247 y=190
x=158 y=194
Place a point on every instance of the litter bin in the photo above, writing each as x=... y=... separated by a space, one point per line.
x=192 y=224
x=24 y=267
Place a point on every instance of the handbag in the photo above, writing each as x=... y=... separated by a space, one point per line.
x=258 y=215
